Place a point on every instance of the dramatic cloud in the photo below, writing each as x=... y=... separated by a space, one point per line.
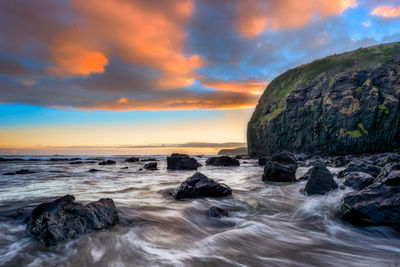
x=254 y=16
x=387 y=11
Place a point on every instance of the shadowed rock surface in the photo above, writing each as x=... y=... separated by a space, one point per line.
x=199 y=185
x=281 y=168
x=358 y=180
x=65 y=219
x=182 y=162
x=354 y=167
x=222 y=161
x=378 y=204
x=341 y=104
x=320 y=181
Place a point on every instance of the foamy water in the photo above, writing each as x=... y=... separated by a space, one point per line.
x=268 y=225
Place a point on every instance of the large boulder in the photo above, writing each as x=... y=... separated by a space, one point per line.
x=377 y=204
x=65 y=219
x=199 y=185
x=281 y=168
x=222 y=161
x=341 y=104
x=182 y=162
x=320 y=181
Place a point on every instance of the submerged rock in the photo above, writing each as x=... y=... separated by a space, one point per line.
x=107 y=162
x=182 y=162
x=217 y=212
x=152 y=166
x=93 y=170
x=65 y=219
x=199 y=185
x=358 y=180
x=281 y=168
x=132 y=159
x=341 y=104
x=377 y=204
x=22 y=171
x=222 y=161
x=320 y=181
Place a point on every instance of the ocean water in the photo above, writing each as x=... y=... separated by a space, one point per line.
x=268 y=225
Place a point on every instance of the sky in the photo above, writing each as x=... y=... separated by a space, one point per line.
x=160 y=76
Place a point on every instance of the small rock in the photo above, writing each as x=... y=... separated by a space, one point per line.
x=217 y=212
x=148 y=159
x=76 y=162
x=182 y=162
x=152 y=166
x=281 y=168
x=132 y=159
x=93 y=170
x=320 y=182
x=199 y=185
x=222 y=161
x=108 y=162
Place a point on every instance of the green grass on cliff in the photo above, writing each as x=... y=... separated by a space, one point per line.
x=326 y=68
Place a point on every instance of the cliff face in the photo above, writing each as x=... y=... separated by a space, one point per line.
x=341 y=104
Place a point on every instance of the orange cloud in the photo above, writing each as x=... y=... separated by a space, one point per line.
x=255 y=16
x=72 y=58
x=251 y=86
x=386 y=11
x=218 y=100
x=148 y=33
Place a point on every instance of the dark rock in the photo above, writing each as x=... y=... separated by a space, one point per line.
x=65 y=219
x=10 y=159
x=217 y=212
x=76 y=162
x=199 y=185
x=320 y=182
x=108 y=162
x=263 y=161
x=182 y=162
x=342 y=187
x=152 y=166
x=358 y=180
x=377 y=204
x=148 y=159
x=388 y=159
x=124 y=168
x=342 y=104
x=9 y=173
x=370 y=169
x=340 y=161
x=222 y=161
x=132 y=159
x=281 y=168
x=93 y=170
x=23 y=171
x=59 y=159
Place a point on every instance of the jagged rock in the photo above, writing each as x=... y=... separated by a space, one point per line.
x=377 y=204
x=341 y=104
x=387 y=169
x=320 y=182
x=217 y=212
x=281 y=168
x=65 y=219
x=152 y=166
x=132 y=159
x=388 y=159
x=182 y=162
x=199 y=185
x=222 y=161
x=107 y=162
x=370 y=169
x=358 y=180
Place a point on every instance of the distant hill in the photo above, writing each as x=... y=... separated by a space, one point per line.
x=233 y=151
x=342 y=104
